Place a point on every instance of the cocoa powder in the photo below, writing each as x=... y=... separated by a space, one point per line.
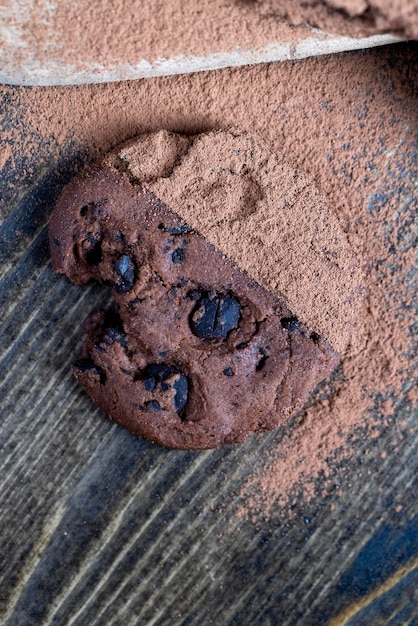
x=92 y=34
x=262 y=214
x=356 y=18
x=347 y=122
x=96 y=36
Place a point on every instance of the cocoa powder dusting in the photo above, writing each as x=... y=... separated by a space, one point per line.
x=96 y=36
x=262 y=214
x=350 y=17
x=336 y=121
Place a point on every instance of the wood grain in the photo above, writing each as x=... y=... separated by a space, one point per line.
x=100 y=528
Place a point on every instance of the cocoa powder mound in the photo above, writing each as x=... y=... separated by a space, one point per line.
x=348 y=122
x=262 y=214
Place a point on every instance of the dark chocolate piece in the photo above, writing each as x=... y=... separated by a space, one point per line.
x=160 y=377
x=214 y=316
x=290 y=323
x=177 y=256
x=125 y=272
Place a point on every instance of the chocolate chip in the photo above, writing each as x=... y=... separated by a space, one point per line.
x=290 y=323
x=314 y=337
x=125 y=271
x=150 y=384
x=177 y=256
x=87 y=365
x=181 y=387
x=214 y=316
x=228 y=371
x=115 y=335
x=160 y=378
x=160 y=371
x=176 y=230
x=193 y=295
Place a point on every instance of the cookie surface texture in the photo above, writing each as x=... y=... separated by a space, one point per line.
x=195 y=353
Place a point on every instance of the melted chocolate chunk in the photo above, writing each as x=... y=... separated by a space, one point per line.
x=87 y=365
x=150 y=384
x=314 y=337
x=115 y=334
x=159 y=378
x=181 y=387
x=182 y=229
x=214 y=316
x=177 y=256
x=125 y=271
x=290 y=323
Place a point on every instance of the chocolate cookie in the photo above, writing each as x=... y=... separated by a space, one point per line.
x=194 y=353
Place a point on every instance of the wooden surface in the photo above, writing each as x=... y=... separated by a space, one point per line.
x=100 y=528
